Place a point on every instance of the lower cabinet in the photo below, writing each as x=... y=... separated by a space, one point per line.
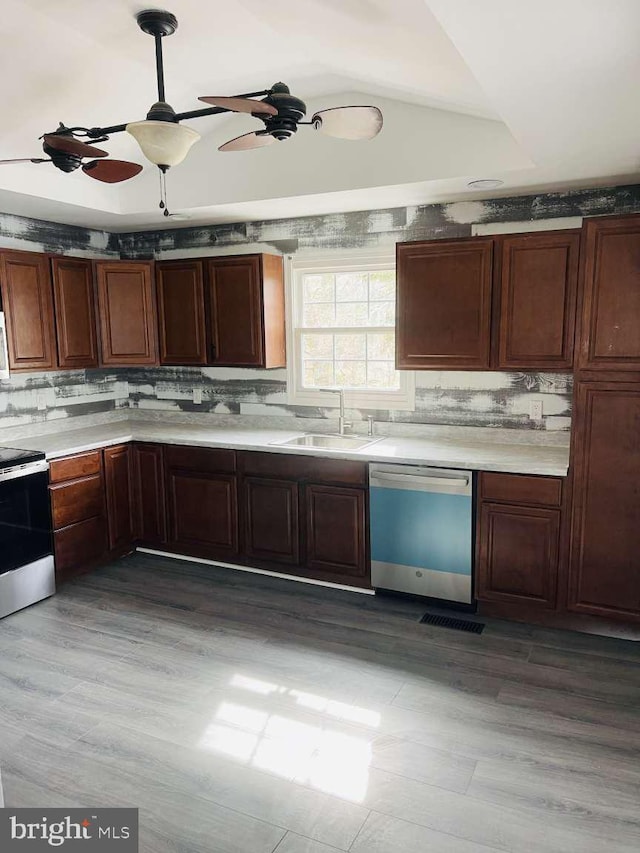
x=149 y=505
x=336 y=531
x=518 y=539
x=117 y=473
x=202 y=502
x=272 y=529
x=305 y=516
x=604 y=574
x=78 y=512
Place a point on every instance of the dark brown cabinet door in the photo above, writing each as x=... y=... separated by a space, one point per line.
x=234 y=300
x=246 y=311
x=181 y=317
x=75 y=312
x=336 y=533
x=117 y=473
x=126 y=307
x=27 y=301
x=272 y=531
x=79 y=547
x=444 y=304
x=202 y=502
x=610 y=324
x=537 y=290
x=605 y=547
x=76 y=501
x=518 y=554
x=150 y=523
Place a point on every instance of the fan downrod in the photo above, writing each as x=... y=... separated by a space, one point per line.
x=157 y=22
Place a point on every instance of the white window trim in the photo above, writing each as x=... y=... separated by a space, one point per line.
x=403 y=399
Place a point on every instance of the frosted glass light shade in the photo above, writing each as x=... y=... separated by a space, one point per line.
x=165 y=143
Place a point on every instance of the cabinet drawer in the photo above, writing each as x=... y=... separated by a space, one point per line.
x=308 y=468
x=521 y=489
x=202 y=459
x=71 y=467
x=77 y=501
x=80 y=545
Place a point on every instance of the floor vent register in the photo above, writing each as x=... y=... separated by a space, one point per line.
x=454 y=624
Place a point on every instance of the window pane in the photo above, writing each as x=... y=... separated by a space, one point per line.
x=351 y=286
x=351 y=346
x=317 y=346
x=382 y=313
x=381 y=345
x=382 y=374
x=352 y=314
x=318 y=288
x=332 y=352
x=318 y=314
x=382 y=285
x=351 y=374
x=318 y=374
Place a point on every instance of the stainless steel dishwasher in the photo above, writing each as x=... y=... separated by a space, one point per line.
x=421 y=529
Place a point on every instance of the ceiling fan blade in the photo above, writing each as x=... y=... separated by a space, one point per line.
x=247 y=141
x=111 y=171
x=68 y=145
x=241 y=105
x=349 y=122
x=25 y=160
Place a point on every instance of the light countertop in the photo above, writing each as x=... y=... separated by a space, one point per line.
x=440 y=452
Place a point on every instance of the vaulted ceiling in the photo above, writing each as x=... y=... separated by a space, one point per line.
x=541 y=95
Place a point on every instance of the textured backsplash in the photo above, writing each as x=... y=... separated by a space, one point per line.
x=31 y=398
x=447 y=397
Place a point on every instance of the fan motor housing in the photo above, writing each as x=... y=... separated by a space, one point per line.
x=291 y=110
x=61 y=160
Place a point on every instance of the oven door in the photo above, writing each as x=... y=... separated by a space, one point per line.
x=25 y=521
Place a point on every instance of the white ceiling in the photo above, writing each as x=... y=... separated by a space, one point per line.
x=541 y=95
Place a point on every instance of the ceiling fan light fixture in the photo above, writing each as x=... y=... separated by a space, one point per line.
x=163 y=143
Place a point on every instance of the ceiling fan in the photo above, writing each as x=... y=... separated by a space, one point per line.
x=67 y=153
x=165 y=142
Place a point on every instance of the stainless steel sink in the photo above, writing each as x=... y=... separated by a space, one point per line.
x=329 y=442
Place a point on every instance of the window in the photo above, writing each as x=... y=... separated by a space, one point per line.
x=342 y=313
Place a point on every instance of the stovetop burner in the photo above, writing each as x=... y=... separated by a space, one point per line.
x=12 y=456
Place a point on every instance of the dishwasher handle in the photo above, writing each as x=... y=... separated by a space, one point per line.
x=461 y=481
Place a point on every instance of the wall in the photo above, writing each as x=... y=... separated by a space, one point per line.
x=474 y=399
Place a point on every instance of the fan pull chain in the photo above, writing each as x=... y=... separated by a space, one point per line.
x=163 y=190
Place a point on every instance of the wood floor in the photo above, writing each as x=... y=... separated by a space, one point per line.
x=245 y=714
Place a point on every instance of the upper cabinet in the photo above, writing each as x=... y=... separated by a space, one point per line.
x=246 y=311
x=27 y=301
x=126 y=307
x=444 y=304
x=610 y=324
x=74 y=312
x=488 y=302
x=181 y=312
x=537 y=282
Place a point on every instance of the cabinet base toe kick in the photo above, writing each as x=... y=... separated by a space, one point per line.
x=366 y=590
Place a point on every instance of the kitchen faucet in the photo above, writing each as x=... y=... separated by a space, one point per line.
x=343 y=424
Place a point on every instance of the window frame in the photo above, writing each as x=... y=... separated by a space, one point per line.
x=354 y=261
